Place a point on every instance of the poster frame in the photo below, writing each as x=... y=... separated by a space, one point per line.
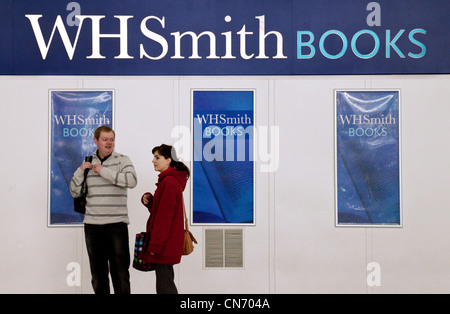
x=192 y=91
x=49 y=151
x=368 y=225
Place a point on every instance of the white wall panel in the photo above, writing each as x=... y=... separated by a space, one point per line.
x=414 y=259
x=144 y=118
x=34 y=257
x=254 y=278
x=312 y=256
x=294 y=246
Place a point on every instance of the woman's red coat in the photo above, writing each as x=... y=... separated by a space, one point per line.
x=166 y=222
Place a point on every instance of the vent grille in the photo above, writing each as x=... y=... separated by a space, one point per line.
x=224 y=248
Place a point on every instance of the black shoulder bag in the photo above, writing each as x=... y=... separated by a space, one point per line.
x=79 y=203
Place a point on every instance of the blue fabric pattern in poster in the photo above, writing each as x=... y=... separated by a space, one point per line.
x=223 y=165
x=74 y=116
x=367 y=158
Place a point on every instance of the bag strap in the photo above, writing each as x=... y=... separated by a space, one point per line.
x=186 y=224
x=88 y=159
x=83 y=184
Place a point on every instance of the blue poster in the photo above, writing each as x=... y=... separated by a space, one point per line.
x=367 y=158
x=223 y=158
x=74 y=116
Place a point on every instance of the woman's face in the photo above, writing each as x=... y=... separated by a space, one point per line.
x=160 y=163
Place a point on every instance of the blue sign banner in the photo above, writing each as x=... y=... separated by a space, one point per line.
x=223 y=163
x=233 y=37
x=74 y=116
x=367 y=158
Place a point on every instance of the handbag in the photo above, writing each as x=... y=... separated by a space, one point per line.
x=139 y=247
x=189 y=238
x=79 y=203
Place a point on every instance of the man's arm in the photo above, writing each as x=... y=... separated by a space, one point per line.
x=126 y=177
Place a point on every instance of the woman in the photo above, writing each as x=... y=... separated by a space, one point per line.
x=165 y=225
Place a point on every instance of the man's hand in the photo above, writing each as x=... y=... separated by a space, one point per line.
x=97 y=168
x=86 y=165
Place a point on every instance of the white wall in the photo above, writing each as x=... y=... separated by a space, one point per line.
x=294 y=246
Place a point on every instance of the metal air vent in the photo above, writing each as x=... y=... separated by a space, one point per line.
x=224 y=248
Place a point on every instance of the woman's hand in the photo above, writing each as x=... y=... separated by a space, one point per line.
x=147 y=199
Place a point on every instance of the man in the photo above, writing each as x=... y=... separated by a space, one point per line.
x=106 y=219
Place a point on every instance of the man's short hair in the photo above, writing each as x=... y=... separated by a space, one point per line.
x=103 y=128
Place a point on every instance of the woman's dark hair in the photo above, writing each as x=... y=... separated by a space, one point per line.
x=167 y=152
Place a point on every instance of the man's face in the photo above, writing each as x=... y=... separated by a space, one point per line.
x=105 y=143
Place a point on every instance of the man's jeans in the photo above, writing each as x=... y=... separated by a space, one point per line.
x=107 y=246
